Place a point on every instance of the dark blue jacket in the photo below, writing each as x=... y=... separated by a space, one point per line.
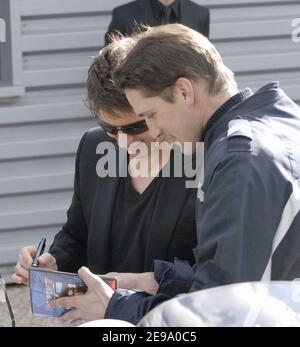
x=248 y=206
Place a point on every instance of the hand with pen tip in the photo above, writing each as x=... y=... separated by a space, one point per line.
x=26 y=259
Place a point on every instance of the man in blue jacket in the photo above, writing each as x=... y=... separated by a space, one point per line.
x=248 y=218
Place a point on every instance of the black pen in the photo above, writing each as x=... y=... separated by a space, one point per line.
x=39 y=252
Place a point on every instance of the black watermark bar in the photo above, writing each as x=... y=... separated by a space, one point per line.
x=110 y=335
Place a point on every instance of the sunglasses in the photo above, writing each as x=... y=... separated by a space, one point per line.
x=129 y=129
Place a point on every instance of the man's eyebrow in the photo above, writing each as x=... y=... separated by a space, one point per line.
x=144 y=114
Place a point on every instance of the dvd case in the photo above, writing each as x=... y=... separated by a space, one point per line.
x=46 y=285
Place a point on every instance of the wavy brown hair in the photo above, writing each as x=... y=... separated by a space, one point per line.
x=165 y=53
x=102 y=94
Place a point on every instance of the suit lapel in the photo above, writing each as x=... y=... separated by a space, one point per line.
x=100 y=222
x=186 y=15
x=164 y=220
x=145 y=7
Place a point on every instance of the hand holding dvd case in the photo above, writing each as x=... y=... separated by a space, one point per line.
x=46 y=285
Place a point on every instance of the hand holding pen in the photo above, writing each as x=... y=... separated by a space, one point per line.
x=32 y=256
x=39 y=252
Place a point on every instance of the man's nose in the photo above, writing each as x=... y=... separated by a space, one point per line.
x=154 y=130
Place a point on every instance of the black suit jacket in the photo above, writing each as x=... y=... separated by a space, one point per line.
x=84 y=239
x=125 y=17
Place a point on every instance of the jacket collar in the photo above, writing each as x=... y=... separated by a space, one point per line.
x=234 y=101
x=270 y=93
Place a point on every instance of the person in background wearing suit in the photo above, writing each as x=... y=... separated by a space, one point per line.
x=126 y=18
x=118 y=224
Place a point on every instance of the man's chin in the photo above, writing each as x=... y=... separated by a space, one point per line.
x=139 y=156
x=170 y=140
x=138 y=152
x=185 y=147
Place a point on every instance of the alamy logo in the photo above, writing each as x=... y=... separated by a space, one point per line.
x=143 y=160
x=296 y=31
x=2 y=30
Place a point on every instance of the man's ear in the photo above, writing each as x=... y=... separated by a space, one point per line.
x=185 y=88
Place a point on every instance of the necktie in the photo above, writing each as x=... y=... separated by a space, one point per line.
x=167 y=11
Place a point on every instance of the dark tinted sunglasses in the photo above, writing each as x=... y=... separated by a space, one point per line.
x=129 y=129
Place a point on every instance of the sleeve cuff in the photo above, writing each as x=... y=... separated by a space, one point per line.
x=124 y=305
x=173 y=278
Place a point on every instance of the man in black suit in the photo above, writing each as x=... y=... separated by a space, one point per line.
x=156 y=12
x=118 y=224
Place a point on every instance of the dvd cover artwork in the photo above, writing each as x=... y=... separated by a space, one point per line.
x=47 y=285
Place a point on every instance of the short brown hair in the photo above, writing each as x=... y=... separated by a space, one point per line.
x=165 y=53
x=102 y=94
